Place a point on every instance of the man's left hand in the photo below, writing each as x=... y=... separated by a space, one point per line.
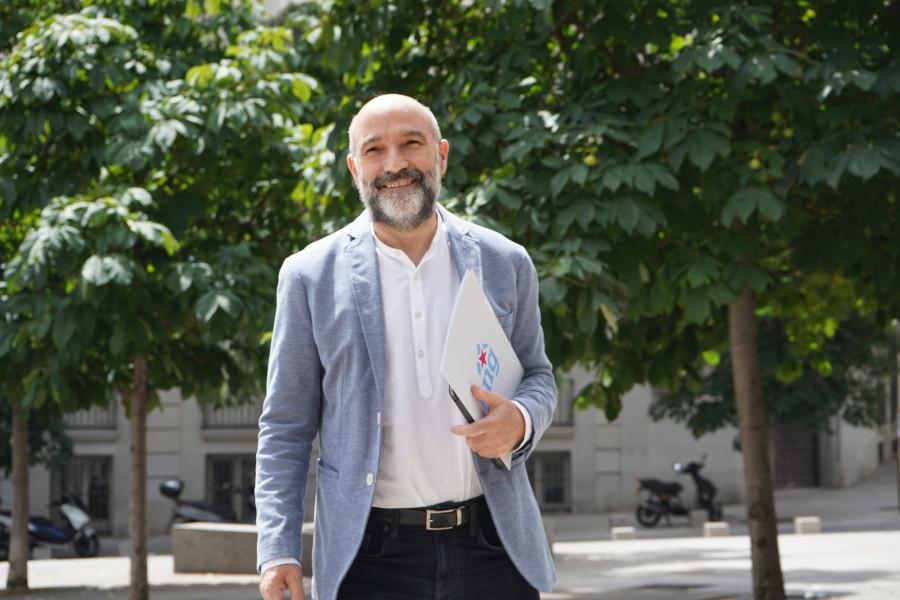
x=499 y=432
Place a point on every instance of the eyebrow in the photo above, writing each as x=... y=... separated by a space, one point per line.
x=411 y=133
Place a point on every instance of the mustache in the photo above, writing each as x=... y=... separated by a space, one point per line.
x=407 y=173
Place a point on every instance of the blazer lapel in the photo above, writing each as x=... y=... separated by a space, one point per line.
x=363 y=263
x=367 y=288
x=463 y=244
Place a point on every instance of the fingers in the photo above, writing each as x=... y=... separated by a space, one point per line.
x=496 y=434
x=487 y=397
x=276 y=580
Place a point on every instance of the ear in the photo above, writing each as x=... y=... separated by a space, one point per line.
x=351 y=164
x=443 y=151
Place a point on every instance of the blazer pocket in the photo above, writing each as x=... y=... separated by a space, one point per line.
x=325 y=469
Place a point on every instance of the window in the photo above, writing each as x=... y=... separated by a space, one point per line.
x=564 y=415
x=95 y=417
x=88 y=478
x=549 y=474
x=239 y=416
x=229 y=484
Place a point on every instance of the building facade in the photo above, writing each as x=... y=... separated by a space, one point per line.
x=583 y=464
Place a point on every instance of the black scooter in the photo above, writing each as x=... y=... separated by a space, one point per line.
x=190 y=511
x=77 y=530
x=662 y=498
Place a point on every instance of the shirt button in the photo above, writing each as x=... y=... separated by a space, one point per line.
x=421 y=354
x=418 y=315
x=416 y=277
x=370 y=479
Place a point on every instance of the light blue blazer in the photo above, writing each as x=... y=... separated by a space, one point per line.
x=326 y=377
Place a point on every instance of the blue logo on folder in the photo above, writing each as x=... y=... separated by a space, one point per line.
x=488 y=365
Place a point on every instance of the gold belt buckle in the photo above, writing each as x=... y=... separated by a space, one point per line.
x=429 y=515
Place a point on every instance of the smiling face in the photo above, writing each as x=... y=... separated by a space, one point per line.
x=397 y=159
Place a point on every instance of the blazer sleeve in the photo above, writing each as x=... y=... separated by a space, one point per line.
x=537 y=392
x=289 y=421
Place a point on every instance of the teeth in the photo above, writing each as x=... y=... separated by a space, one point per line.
x=391 y=186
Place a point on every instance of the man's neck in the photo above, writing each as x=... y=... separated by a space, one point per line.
x=413 y=243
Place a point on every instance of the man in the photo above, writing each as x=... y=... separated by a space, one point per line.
x=409 y=504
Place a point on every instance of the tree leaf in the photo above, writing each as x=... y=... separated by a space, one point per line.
x=864 y=162
x=704 y=145
x=64 y=327
x=787 y=65
x=156 y=234
x=558 y=182
x=215 y=300
x=698 y=307
x=579 y=173
x=650 y=140
x=762 y=68
x=743 y=203
x=712 y=357
x=553 y=289
x=814 y=163
x=863 y=79
x=628 y=213
x=644 y=181
x=610 y=318
x=301 y=88
x=101 y=269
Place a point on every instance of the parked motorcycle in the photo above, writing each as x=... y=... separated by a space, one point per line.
x=189 y=511
x=663 y=498
x=76 y=532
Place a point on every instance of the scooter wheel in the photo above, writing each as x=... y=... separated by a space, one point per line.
x=87 y=547
x=646 y=516
x=715 y=512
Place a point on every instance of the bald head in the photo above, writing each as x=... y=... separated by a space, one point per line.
x=384 y=106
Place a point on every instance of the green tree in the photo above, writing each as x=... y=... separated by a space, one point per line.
x=860 y=357
x=665 y=162
x=149 y=153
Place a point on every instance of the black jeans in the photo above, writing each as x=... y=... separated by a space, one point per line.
x=464 y=563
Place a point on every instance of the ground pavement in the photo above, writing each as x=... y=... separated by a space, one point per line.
x=857 y=557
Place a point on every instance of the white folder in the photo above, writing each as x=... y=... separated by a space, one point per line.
x=477 y=351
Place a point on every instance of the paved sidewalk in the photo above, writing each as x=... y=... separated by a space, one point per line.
x=856 y=557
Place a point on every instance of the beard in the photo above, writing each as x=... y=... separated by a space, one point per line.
x=403 y=210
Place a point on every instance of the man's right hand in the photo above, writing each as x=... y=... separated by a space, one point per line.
x=283 y=577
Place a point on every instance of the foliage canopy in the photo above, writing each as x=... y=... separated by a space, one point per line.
x=655 y=157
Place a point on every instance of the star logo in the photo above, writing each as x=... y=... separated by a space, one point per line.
x=481 y=357
x=487 y=363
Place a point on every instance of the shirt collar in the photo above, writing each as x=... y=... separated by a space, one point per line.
x=440 y=237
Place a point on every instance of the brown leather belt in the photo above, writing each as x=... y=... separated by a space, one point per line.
x=435 y=518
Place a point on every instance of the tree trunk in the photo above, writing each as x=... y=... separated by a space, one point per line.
x=17 y=578
x=768 y=582
x=137 y=502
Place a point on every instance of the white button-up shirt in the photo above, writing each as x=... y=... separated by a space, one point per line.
x=422 y=463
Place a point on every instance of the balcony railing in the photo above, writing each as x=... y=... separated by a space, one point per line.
x=241 y=416
x=564 y=416
x=93 y=418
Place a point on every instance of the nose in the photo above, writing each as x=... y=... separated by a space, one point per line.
x=394 y=160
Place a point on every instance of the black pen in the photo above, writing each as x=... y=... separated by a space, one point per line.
x=462 y=408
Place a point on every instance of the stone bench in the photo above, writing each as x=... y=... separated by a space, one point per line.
x=715 y=529
x=807 y=525
x=622 y=533
x=698 y=517
x=619 y=520
x=224 y=548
